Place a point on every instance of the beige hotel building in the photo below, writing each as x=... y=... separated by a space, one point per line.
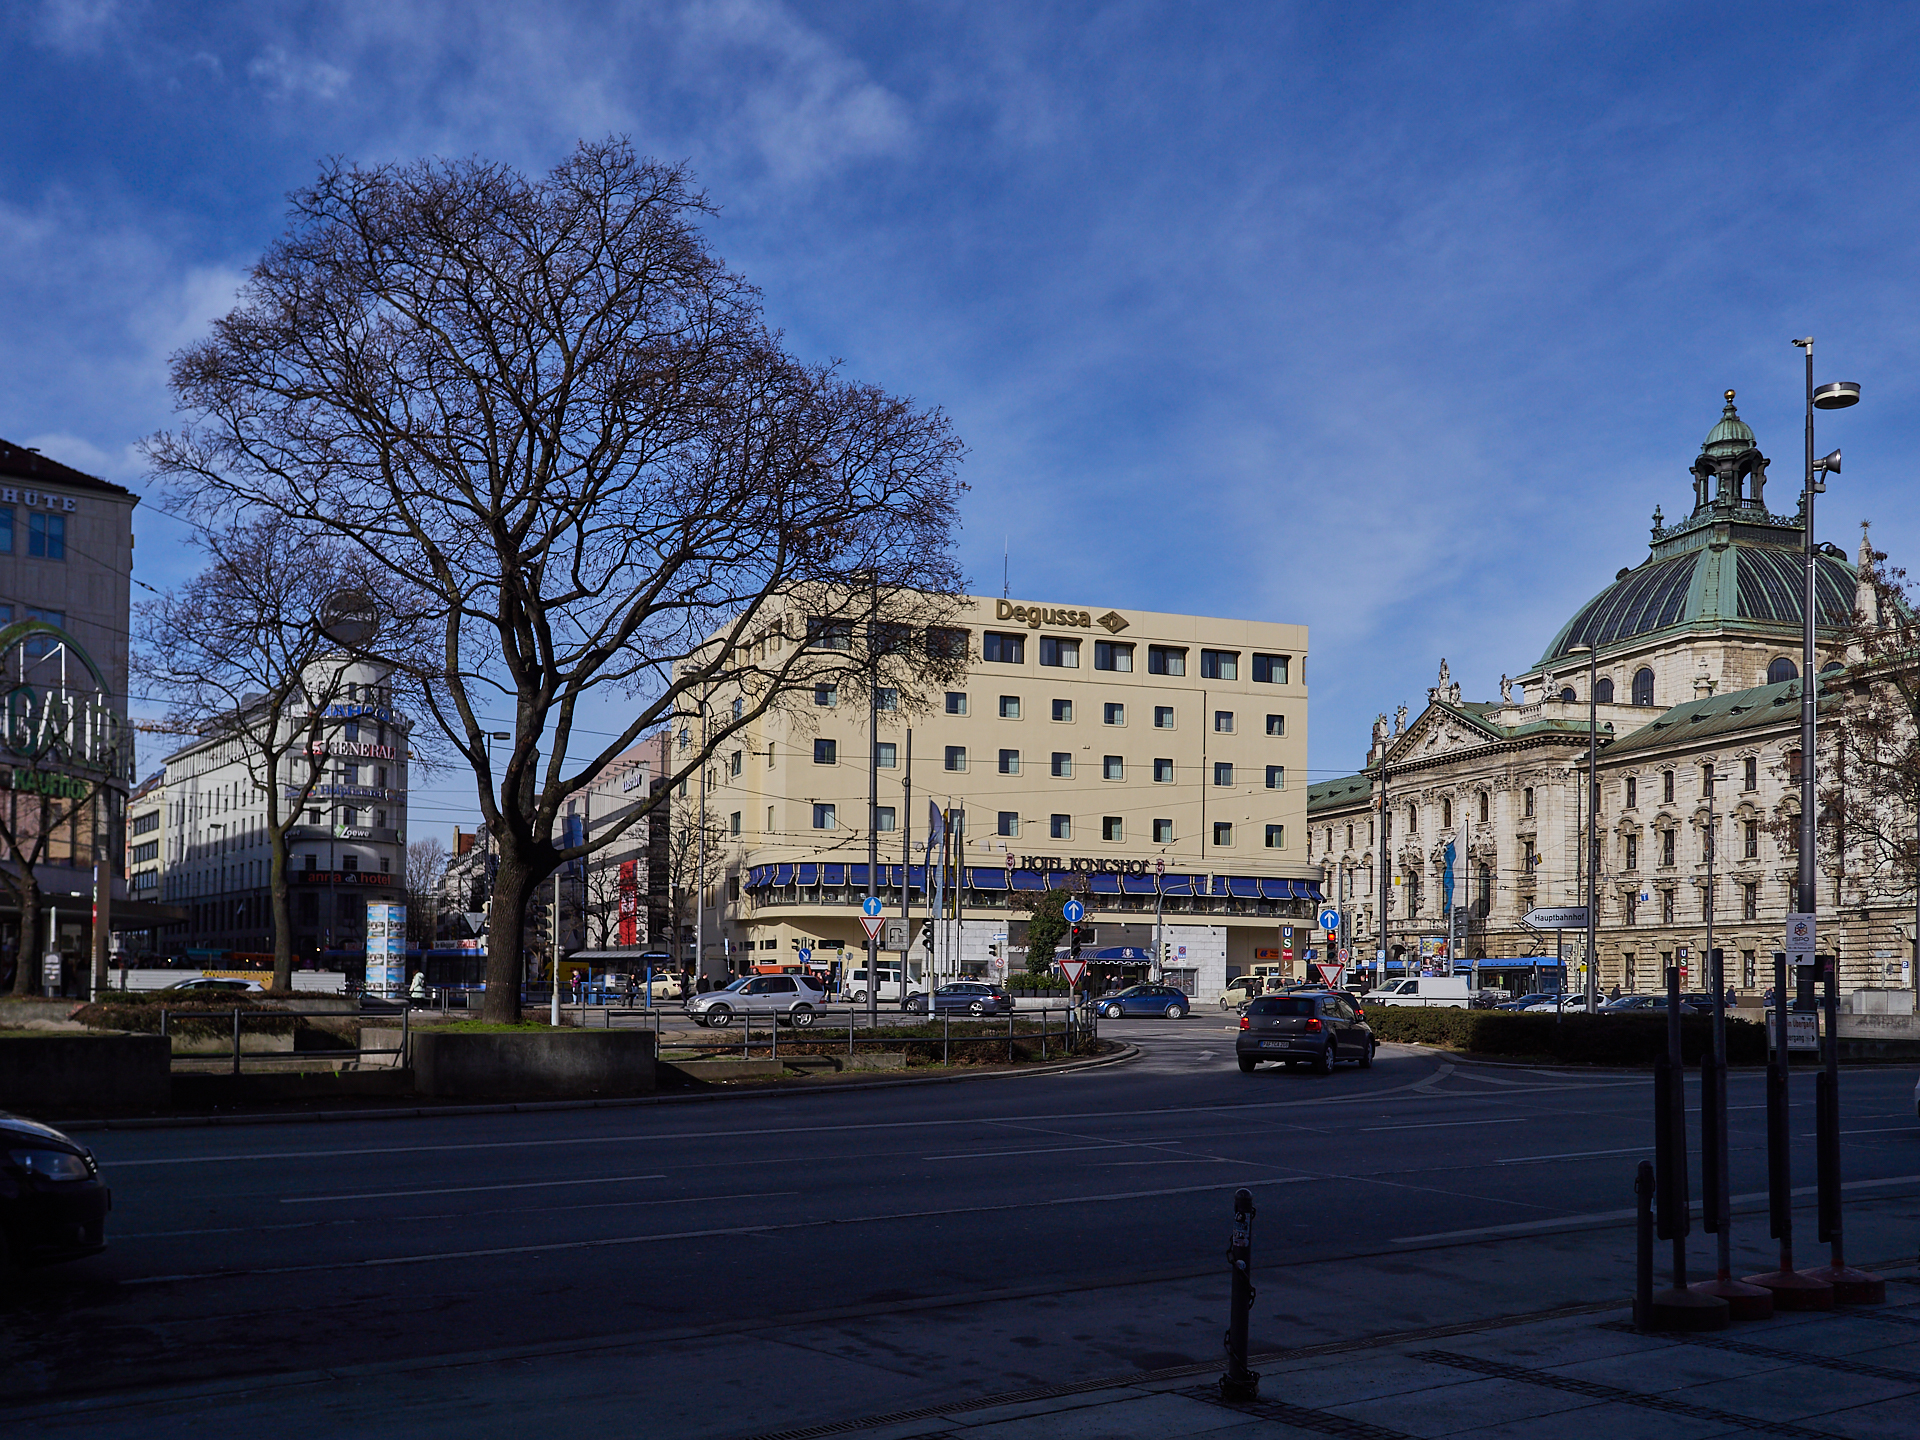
x=1139 y=759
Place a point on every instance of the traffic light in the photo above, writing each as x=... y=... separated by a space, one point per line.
x=1074 y=939
x=1166 y=953
x=926 y=938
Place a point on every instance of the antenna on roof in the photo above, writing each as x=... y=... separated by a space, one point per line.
x=1006 y=567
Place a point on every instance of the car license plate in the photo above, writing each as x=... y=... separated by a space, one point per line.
x=1276 y=1044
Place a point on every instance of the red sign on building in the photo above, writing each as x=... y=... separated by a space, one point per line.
x=629 y=903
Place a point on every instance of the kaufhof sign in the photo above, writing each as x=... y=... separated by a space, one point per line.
x=59 y=725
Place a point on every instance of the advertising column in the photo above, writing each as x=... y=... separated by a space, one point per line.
x=386 y=949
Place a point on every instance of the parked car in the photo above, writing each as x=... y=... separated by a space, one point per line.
x=968 y=997
x=1145 y=1000
x=1525 y=1002
x=1304 y=1029
x=889 y=986
x=1443 y=990
x=53 y=1204
x=1241 y=989
x=216 y=982
x=665 y=986
x=793 y=998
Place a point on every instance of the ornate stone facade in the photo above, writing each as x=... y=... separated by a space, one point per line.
x=1696 y=673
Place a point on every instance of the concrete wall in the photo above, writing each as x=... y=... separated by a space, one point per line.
x=533 y=1064
x=43 y=1074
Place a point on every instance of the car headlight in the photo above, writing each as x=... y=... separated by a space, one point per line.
x=52 y=1164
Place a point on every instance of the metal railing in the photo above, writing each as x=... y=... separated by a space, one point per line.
x=355 y=1052
x=1063 y=1030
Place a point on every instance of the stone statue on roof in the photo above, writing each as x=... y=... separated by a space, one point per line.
x=1506 y=689
x=1399 y=722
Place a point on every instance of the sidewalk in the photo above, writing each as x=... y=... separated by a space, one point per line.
x=1584 y=1375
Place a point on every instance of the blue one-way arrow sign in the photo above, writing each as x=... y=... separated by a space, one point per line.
x=1073 y=912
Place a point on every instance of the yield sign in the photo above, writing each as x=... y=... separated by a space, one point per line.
x=1330 y=975
x=873 y=924
x=1073 y=970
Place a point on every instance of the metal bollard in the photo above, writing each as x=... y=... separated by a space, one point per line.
x=1240 y=1383
x=236 y=1042
x=1643 y=1257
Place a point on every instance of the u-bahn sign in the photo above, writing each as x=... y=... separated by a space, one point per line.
x=60 y=730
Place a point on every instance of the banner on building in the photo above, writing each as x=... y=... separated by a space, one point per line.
x=386 y=949
x=629 y=902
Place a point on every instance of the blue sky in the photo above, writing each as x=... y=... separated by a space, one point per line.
x=1392 y=320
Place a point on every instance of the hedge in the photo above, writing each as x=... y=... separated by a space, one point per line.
x=1576 y=1037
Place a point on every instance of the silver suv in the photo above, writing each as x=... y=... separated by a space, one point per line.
x=793 y=998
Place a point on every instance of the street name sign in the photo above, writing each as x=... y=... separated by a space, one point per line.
x=1556 y=917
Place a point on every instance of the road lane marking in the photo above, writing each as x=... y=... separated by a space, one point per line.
x=461 y=1215
x=1597 y=1217
x=465 y=1189
x=1570 y=1155
x=1050 y=1150
x=1448 y=1124
x=607 y=1242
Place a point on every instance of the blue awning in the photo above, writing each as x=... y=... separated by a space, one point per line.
x=1244 y=887
x=1183 y=884
x=783 y=874
x=1119 y=952
x=987 y=877
x=1313 y=889
x=917 y=877
x=1138 y=884
x=833 y=874
x=857 y=875
x=1028 y=880
x=1104 y=884
x=808 y=873
x=1058 y=880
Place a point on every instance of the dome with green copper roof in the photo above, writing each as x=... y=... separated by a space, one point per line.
x=1731 y=436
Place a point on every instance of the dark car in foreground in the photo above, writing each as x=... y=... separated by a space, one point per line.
x=1317 y=1030
x=53 y=1205
x=1145 y=1000
x=963 y=997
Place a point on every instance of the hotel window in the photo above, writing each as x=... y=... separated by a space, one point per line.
x=1666 y=847
x=956 y=757
x=1163 y=832
x=1163 y=772
x=1751 y=835
x=1633 y=794
x=1112 y=655
x=733 y=823
x=1003 y=649
x=1063 y=710
x=6 y=529
x=823 y=818
x=349 y=862
x=1223 y=772
x=883 y=817
x=830 y=634
x=1060 y=827
x=946 y=644
x=1633 y=852
x=1009 y=822
x=1062 y=653
x=47 y=536
x=956 y=702
x=1277 y=780
x=886 y=755
x=1276 y=837
x=1063 y=764
x=1223 y=722
x=1009 y=762
x=1223 y=832
x=1009 y=707
x=1110 y=828
x=826 y=696
x=1276 y=724
x=886 y=698
x=1113 y=714
x=1750 y=774
x=1166 y=660
x=1219 y=664
x=1163 y=717
x=1112 y=767
x=38 y=645
x=1666 y=907
x=1270 y=669
x=825 y=752
x=734 y=762
x=1749 y=902
x=1666 y=787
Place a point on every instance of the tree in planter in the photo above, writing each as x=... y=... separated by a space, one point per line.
x=549 y=405
x=1045 y=925
x=239 y=656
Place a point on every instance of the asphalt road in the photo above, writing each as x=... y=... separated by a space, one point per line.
x=745 y=1265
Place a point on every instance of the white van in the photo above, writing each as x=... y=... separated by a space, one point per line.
x=888 y=990
x=1449 y=991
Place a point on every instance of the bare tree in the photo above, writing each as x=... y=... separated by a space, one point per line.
x=33 y=823
x=547 y=402
x=239 y=655
x=691 y=831
x=426 y=878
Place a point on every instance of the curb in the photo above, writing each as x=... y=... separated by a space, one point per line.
x=515 y=1107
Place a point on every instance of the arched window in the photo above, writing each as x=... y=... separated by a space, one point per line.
x=1446 y=814
x=1483 y=807
x=1782 y=670
x=1603 y=692
x=1568 y=695
x=1643 y=687
x=1830 y=667
x=1413 y=818
x=1526 y=800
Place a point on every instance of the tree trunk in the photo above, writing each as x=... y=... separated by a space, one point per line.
x=282 y=907
x=513 y=884
x=26 y=974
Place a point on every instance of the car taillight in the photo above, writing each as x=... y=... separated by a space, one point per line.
x=1313 y=1022
x=1245 y=1024
x=1358 y=1013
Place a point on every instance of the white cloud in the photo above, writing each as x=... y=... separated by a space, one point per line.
x=284 y=77
x=76 y=27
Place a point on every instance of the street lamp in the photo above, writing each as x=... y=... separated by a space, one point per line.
x=1593 y=822
x=1837 y=396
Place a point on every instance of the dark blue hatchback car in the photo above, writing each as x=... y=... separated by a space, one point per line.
x=1145 y=1000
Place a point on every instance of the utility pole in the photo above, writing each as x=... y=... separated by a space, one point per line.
x=873 y=790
